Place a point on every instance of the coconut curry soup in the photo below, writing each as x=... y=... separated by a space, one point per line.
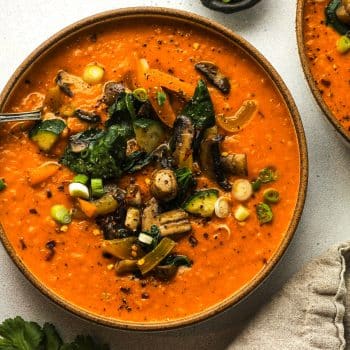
x=163 y=175
x=327 y=46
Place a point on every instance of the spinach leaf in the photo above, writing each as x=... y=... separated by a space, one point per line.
x=186 y=183
x=333 y=20
x=200 y=109
x=136 y=161
x=96 y=152
x=123 y=111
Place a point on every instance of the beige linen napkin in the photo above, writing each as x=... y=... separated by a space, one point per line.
x=312 y=311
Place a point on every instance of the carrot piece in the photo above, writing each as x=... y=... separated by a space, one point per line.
x=88 y=208
x=75 y=125
x=165 y=112
x=157 y=78
x=153 y=80
x=42 y=173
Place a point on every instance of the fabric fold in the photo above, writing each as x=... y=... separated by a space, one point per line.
x=309 y=312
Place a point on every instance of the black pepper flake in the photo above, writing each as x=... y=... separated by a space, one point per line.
x=143 y=284
x=125 y=290
x=22 y=244
x=193 y=241
x=50 y=245
x=325 y=82
x=27 y=82
x=60 y=188
x=33 y=211
x=145 y=296
x=48 y=194
x=205 y=235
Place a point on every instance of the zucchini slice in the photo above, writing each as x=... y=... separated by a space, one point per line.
x=202 y=203
x=149 y=133
x=46 y=133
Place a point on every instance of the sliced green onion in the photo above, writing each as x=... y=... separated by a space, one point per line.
x=271 y=195
x=242 y=190
x=264 y=213
x=79 y=190
x=140 y=94
x=2 y=184
x=343 y=44
x=61 y=214
x=153 y=258
x=256 y=185
x=146 y=239
x=97 y=188
x=241 y=213
x=161 y=98
x=267 y=175
x=81 y=178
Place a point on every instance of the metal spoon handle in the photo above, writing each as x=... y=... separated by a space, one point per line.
x=21 y=116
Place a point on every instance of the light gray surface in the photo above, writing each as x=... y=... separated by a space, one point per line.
x=326 y=219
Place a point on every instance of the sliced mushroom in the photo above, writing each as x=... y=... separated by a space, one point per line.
x=235 y=164
x=343 y=12
x=212 y=72
x=182 y=142
x=162 y=155
x=210 y=158
x=133 y=196
x=164 y=185
x=172 y=215
x=90 y=117
x=111 y=91
x=65 y=80
x=112 y=224
x=165 y=272
x=149 y=214
x=174 y=222
x=175 y=228
x=132 y=219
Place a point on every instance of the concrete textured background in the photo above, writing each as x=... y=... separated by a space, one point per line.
x=326 y=219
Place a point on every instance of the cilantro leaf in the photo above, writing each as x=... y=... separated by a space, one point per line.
x=84 y=343
x=52 y=340
x=16 y=334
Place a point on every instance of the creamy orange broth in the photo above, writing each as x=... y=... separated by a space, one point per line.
x=222 y=263
x=329 y=68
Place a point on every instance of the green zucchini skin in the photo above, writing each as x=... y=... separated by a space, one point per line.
x=149 y=133
x=202 y=203
x=46 y=133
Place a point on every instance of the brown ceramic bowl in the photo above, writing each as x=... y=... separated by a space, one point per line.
x=205 y=25
x=308 y=74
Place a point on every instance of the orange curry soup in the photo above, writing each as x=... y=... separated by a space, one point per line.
x=329 y=67
x=224 y=253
